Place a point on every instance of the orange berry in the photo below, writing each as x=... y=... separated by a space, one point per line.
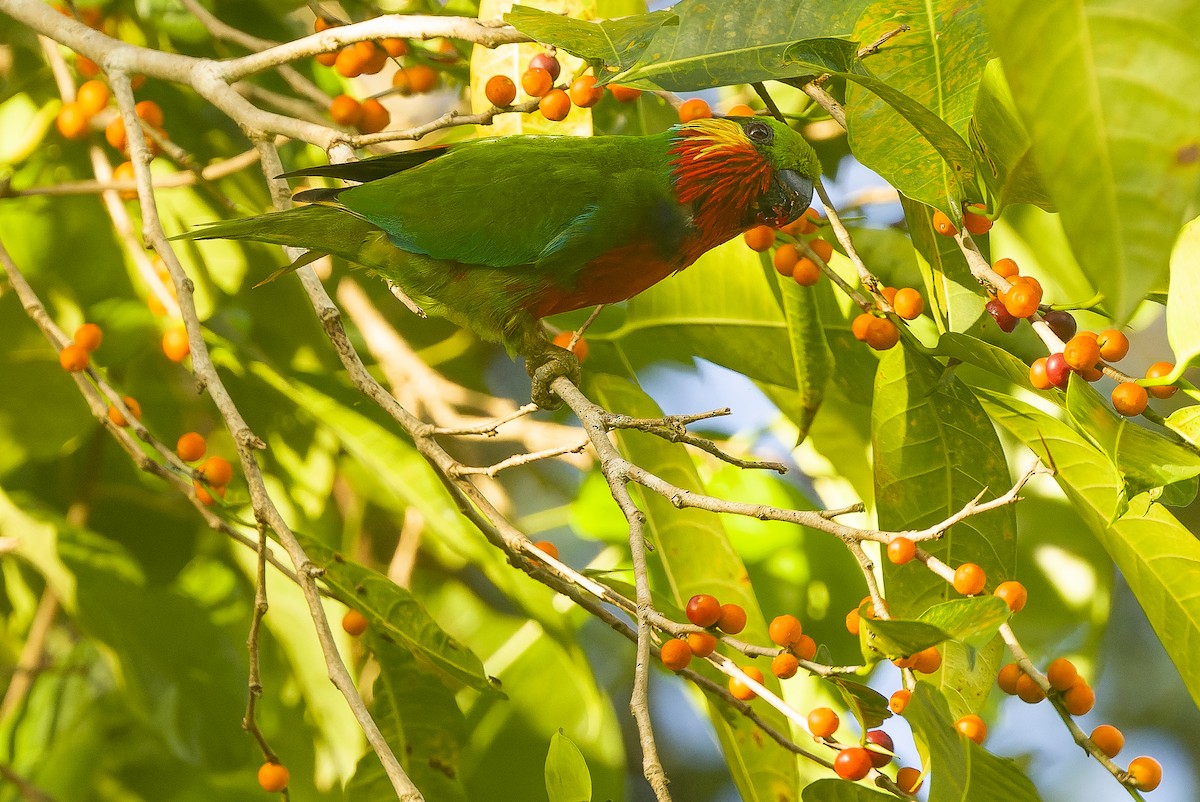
x=853 y=622
x=733 y=619
x=322 y=24
x=823 y=722
x=703 y=610
x=1029 y=690
x=555 y=105
x=694 y=109
x=376 y=58
x=806 y=223
x=191 y=446
x=901 y=550
x=547 y=548
x=908 y=303
x=759 y=238
x=1038 y=376
x=1145 y=772
x=909 y=779
x=327 y=59
x=976 y=223
x=584 y=92
x=1008 y=677
x=1081 y=352
x=1114 y=345
x=1006 y=268
x=375 y=117
x=273 y=777
x=805 y=648
x=740 y=110
x=904 y=662
x=675 y=654
x=118 y=417
x=500 y=90
x=860 y=325
x=92 y=97
x=942 y=224
x=882 y=334
x=969 y=579
x=1130 y=399
x=624 y=94
x=345 y=110
x=899 y=700
x=973 y=727
x=150 y=111
x=1092 y=375
x=785 y=665
x=349 y=62
x=822 y=248
x=74 y=358
x=785 y=630
x=786 y=257
x=1108 y=739
x=1013 y=593
x=175 y=344
x=536 y=82
x=88 y=336
x=563 y=339
x=888 y=293
x=1021 y=299
x=354 y=622
x=86 y=67
x=422 y=78
x=217 y=471
x=1079 y=699
x=1157 y=371
x=806 y=272
x=72 y=121
x=394 y=47
x=204 y=496
x=927 y=661
x=741 y=690
x=124 y=173
x=702 y=644
x=852 y=763
x=114 y=133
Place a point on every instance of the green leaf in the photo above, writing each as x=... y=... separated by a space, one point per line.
x=1114 y=131
x=974 y=621
x=839 y=57
x=1002 y=149
x=960 y=768
x=720 y=44
x=938 y=64
x=899 y=637
x=1183 y=302
x=1186 y=423
x=812 y=360
x=954 y=295
x=976 y=352
x=1156 y=554
x=618 y=43
x=829 y=790
x=394 y=612
x=567 y=775
x=869 y=706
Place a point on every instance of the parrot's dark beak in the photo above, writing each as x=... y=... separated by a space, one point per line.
x=788 y=196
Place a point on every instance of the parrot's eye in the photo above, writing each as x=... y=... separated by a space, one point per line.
x=759 y=132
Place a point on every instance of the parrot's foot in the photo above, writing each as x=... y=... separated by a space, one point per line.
x=547 y=366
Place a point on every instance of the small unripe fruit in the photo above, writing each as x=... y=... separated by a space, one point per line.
x=702 y=644
x=823 y=722
x=969 y=579
x=217 y=471
x=973 y=727
x=555 y=105
x=901 y=550
x=676 y=654
x=694 y=109
x=118 y=417
x=500 y=90
x=1146 y=773
x=1130 y=399
x=759 y=238
x=908 y=303
x=1028 y=690
x=732 y=619
x=1008 y=677
x=88 y=336
x=927 y=661
x=354 y=622
x=1079 y=699
x=884 y=741
x=191 y=446
x=1114 y=345
x=909 y=779
x=703 y=610
x=175 y=344
x=785 y=665
x=584 y=92
x=899 y=700
x=547 y=62
x=1001 y=315
x=547 y=548
x=1108 y=739
x=273 y=777
x=73 y=358
x=942 y=224
x=852 y=763
x=1157 y=371
x=1013 y=593
x=785 y=630
x=1061 y=323
x=742 y=691
x=536 y=82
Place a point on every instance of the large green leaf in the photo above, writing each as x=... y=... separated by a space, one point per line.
x=1157 y=555
x=1107 y=94
x=617 y=43
x=567 y=775
x=954 y=296
x=719 y=44
x=962 y=770
x=1002 y=148
x=811 y=358
x=937 y=63
x=693 y=555
x=1183 y=302
x=828 y=790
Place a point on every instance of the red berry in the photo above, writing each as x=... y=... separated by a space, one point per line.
x=785 y=665
x=1000 y=314
x=703 y=610
x=584 y=92
x=852 y=763
x=883 y=740
x=547 y=62
x=702 y=644
x=1061 y=323
x=694 y=109
x=1057 y=371
x=1130 y=399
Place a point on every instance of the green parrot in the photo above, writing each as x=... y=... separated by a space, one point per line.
x=496 y=234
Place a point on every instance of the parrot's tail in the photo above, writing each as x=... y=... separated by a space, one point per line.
x=320 y=230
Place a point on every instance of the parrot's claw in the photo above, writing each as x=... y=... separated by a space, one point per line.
x=545 y=368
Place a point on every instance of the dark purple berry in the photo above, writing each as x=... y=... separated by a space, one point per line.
x=1057 y=371
x=882 y=739
x=1061 y=323
x=548 y=63
x=1001 y=315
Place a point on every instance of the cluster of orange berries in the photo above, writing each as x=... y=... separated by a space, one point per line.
x=788 y=259
x=554 y=102
x=855 y=762
x=880 y=332
x=368 y=58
